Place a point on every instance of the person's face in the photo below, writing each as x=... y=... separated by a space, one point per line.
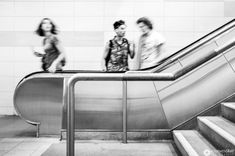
x=121 y=30
x=46 y=25
x=143 y=28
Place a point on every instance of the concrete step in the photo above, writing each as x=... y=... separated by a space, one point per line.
x=228 y=110
x=220 y=132
x=192 y=143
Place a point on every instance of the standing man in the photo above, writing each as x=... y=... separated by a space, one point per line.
x=115 y=57
x=151 y=45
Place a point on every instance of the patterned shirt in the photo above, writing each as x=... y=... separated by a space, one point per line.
x=118 y=60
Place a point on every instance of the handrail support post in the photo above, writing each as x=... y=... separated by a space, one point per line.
x=124 y=111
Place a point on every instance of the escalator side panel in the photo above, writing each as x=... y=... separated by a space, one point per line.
x=40 y=100
x=98 y=105
x=230 y=56
x=226 y=37
x=197 y=91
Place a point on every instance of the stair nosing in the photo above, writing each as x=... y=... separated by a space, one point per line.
x=218 y=130
x=229 y=105
x=187 y=146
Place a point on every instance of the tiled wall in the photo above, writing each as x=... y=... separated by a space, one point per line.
x=85 y=26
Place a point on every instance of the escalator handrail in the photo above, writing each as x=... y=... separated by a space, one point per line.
x=195 y=45
x=69 y=89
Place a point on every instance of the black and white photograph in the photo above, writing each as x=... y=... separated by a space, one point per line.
x=117 y=77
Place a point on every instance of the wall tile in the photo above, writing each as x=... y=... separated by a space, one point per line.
x=229 y=7
x=179 y=9
x=7 y=110
x=115 y=9
x=90 y=54
x=180 y=39
x=208 y=24
x=7 y=54
x=7 y=23
x=64 y=23
x=179 y=24
x=215 y=9
x=87 y=66
x=6 y=83
x=68 y=38
x=89 y=23
x=148 y=9
x=6 y=99
x=26 y=23
x=88 y=9
x=7 y=69
x=29 y=8
x=24 y=68
x=22 y=54
x=7 y=9
x=61 y=9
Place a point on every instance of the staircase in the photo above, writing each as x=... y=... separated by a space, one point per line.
x=215 y=135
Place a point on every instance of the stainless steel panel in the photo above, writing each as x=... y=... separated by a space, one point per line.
x=230 y=56
x=199 y=53
x=40 y=100
x=98 y=105
x=197 y=91
x=226 y=37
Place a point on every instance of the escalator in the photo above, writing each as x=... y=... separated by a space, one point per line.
x=203 y=77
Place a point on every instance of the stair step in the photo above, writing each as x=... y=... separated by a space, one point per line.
x=192 y=143
x=220 y=132
x=228 y=110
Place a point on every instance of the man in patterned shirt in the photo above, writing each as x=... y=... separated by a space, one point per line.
x=115 y=57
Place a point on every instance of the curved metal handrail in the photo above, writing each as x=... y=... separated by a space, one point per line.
x=127 y=77
x=226 y=28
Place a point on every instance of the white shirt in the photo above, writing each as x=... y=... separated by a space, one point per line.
x=148 y=49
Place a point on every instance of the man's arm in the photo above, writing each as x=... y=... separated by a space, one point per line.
x=105 y=55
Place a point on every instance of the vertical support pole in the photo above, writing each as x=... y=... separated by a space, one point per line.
x=124 y=111
x=70 y=120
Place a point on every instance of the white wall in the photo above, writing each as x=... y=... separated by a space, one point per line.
x=85 y=25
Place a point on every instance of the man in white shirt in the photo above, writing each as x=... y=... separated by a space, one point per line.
x=151 y=45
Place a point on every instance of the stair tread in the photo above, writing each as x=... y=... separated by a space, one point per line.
x=230 y=105
x=195 y=142
x=221 y=125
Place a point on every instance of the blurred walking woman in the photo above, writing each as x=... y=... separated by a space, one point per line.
x=53 y=57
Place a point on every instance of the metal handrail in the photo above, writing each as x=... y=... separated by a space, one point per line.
x=126 y=77
x=226 y=28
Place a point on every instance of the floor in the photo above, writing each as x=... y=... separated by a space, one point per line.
x=17 y=138
x=114 y=148
x=25 y=146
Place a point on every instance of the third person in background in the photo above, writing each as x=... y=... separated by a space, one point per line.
x=151 y=46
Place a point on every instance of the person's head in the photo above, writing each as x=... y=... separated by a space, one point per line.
x=120 y=28
x=144 y=24
x=46 y=25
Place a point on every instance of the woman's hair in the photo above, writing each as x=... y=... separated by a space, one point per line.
x=146 y=21
x=39 y=30
x=117 y=24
